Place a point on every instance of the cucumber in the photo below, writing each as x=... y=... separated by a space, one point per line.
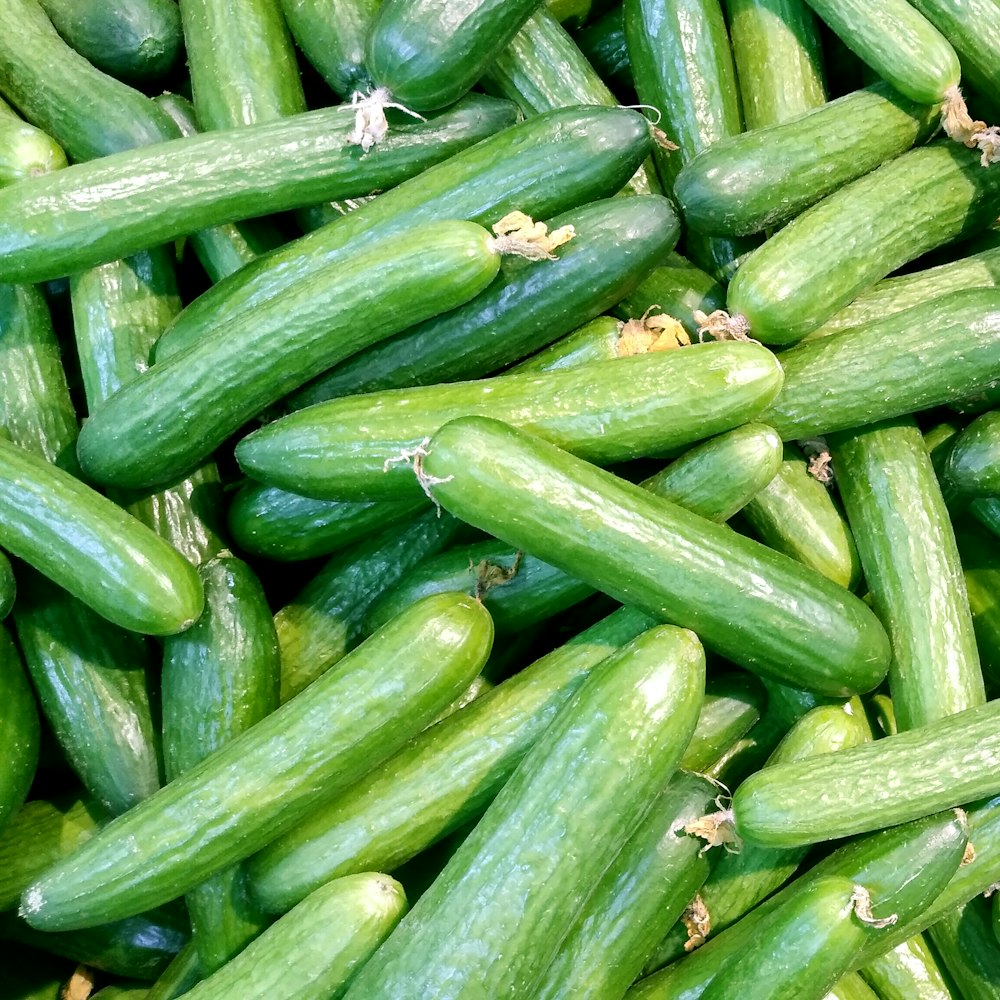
x=264 y=781
x=19 y=732
x=220 y=678
x=427 y=55
x=980 y=555
x=139 y=199
x=732 y=706
x=851 y=987
x=973 y=464
x=762 y=179
x=164 y=422
x=867 y=788
x=573 y=13
x=603 y=46
x=599 y=340
x=907 y=972
x=315 y=949
x=25 y=151
x=240 y=77
x=554 y=815
x=357 y=447
x=138 y=40
x=969 y=949
x=802 y=629
x=931 y=354
x=8 y=586
x=891 y=496
x=178 y=977
x=778 y=53
x=88 y=113
x=824 y=258
x=618 y=242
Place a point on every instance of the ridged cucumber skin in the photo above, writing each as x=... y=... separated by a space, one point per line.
x=240 y=77
x=892 y=498
x=348 y=448
x=618 y=242
x=973 y=464
x=762 y=179
x=851 y=987
x=644 y=550
x=640 y=894
x=8 y=586
x=442 y=779
x=163 y=423
x=554 y=815
x=824 y=258
x=264 y=781
x=598 y=340
x=134 y=200
x=88 y=113
x=932 y=354
x=866 y=788
x=542 y=167
x=137 y=41
x=112 y=562
x=25 y=151
x=325 y=620
x=178 y=977
x=94 y=684
x=907 y=972
x=980 y=554
x=20 y=732
x=220 y=678
x=315 y=949
x=795 y=514
x=778 y=53
x=427 y=54
x=969 y=949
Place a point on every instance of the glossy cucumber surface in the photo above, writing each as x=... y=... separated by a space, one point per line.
x=19 y=732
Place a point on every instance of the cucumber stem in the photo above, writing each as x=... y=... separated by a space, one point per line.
x=959 y=125
x=370 y=123
x=723 y=326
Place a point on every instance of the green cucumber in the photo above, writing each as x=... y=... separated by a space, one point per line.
x=732 y=706
x=795 y=514
x=973 y=464
x=907 y=972
x=573 y=13
x=603 y=45
x=801 y=629
x=19 y=732
x=8 y=586
x=323 y=623
x=980 y=554
x=358 y=448
x=427 y=55
x=891 y=495
x=134 y=200
x=88 y=113
x=851 y=987
x=618 y=242
x=264 y=781
x=315 y=949
x=599 y=340
x=969 y=949
x=574 y=800
x=168 y=419
x=220 y=678
x=640 y=894
x=865 y=230
x=25 y=151
x=240 y=77
x=762 y=179
x=138 y=40
x=778 y=53
x=931 y=354
x=178 y=977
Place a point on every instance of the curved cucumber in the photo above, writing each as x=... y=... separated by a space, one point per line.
x=599 y=340
x=973 y=464
x=19 y=730
x=25 y=151
x=907 y=972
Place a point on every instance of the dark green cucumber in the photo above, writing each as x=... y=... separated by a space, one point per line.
x=94 y=685
x=640 y=894
x=618 y=242
x=865 y=230
x=801 y=629
x=795 y=514
x=25 y=151
x=428 y=54
x=573 y=13
x=353 y=448
x=164 y=422
x=851 y=987
x=973 y=464
x=762 y=179
x=19 y=732
x=931 y=354
x=599 y=340
x=907 y=972
x=732 y=706
x=778 y=53
x=969 y=949
x=220 y=678
x=240 y=77
x=178 y=977
x=138 y=40
x=891 y=495
x=603 y=46
x=8 y=586
x=138 y=199
x=572 y=803
x=88 y=113
x=262 y=782
x=316 y=948
x=980 y=553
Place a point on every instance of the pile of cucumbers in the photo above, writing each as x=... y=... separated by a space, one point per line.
x=500 y=500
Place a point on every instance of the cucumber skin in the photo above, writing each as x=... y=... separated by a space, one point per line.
x=762 y=179
x=682 y=569
x=26 y=151
x=932 y=354
x=554 y=814
x=852 y=987
x=20 y=732
x=248 y=793
x=980 y=554
x=973 y=464
x=427 y=54
x=968 y=948
x=98 y=212
x=907 y=972
x=348 y=448
x=598 y=340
